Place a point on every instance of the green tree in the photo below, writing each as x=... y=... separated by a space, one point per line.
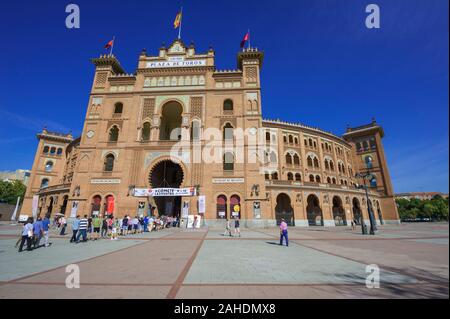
x=10 y=190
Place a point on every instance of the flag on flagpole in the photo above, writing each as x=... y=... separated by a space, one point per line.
x=177 y=21
x=245 y=39
x=109 y=44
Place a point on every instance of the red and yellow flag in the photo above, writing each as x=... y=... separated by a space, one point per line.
x=177 y=21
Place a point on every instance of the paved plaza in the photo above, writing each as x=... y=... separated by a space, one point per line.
x=187 y=263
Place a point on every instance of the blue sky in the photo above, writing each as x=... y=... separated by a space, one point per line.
x=322 y=67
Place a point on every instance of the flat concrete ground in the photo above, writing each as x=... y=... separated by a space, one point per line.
x=179 y=263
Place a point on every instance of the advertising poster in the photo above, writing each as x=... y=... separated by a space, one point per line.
x=74 y=209
x=202 y=204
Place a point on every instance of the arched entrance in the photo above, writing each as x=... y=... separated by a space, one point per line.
x=64 y=205
x=338 y=212
x=284 y=210
x=109 y=205
x=235 y=206
x=50 y=206
x=167 y=174
x=96 y=204
x=356 y=211
x=222 y=207
x=170 y=128
x=313 y=211
x=380 y=216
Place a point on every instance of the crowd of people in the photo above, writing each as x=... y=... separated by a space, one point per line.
x=91 y=228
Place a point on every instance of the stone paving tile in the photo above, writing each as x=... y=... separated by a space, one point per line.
x=266 y=262
x=151 y=262
x=311 y=292
x=33 y=291
x=14 y=265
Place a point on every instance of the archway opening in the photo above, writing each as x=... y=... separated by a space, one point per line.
x=313 y=211
x=64 y=205
x=338 y=212
x=167 y=174
x=50 y=206
x=284 y=210
x=235 y=206
x=170 y=128
x=222 y=207
x=96 y=204
x=357 y=214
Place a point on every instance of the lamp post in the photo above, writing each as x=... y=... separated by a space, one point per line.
x=368 y=176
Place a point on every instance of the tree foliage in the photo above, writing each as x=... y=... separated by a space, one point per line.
x=435 y=208
x=10 y=190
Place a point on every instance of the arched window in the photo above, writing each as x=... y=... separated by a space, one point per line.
x=358 y=146
x=288 y=159
x=46 y=150
x=146 y=131
x=369 y=161
x=53 y=151
x=267 y=137
x=372 y=143
x=311 y=178
x=118 y=108
x=108 y=164
x=49 y=166
x=296 y=159
x=291 y=139
x=316 y=162
x=328 y=180
x=273 y=157
x=44 y=183
x=310 y=161
x=365 y=145
x=310 y=142
x=332 y=165
x=306 y=142
x=228 y=105
x=113 y=134
x=296 y=141
x=228 y=161
x=266 y=176
x=59 y=151
x=326 y=164
x=317 y=179
x=284 y=139
x=333 y=180
x=228 y=132
x=373 y=182
x=345 y=183
x=221 y=207
x=290 y=177
x=275 y=176
x=298 y=177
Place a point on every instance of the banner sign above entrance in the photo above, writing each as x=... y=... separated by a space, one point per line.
x=164 y=192
x=175 y=64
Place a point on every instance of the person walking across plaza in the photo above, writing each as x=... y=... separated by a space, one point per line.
x=82 y=229
x=227 y=228
x=63 y=223
x=27 y=234
x=237 y=228
x=75 y=227
x=283 y=232
x=37 y=232
x=46 y=229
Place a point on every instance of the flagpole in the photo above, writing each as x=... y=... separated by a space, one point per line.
x=112 y=46
x=181 y=24
x=249 y=38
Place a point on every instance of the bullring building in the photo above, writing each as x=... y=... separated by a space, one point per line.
x=124 y=161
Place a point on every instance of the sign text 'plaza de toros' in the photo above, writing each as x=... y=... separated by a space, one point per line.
x=188 y=138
